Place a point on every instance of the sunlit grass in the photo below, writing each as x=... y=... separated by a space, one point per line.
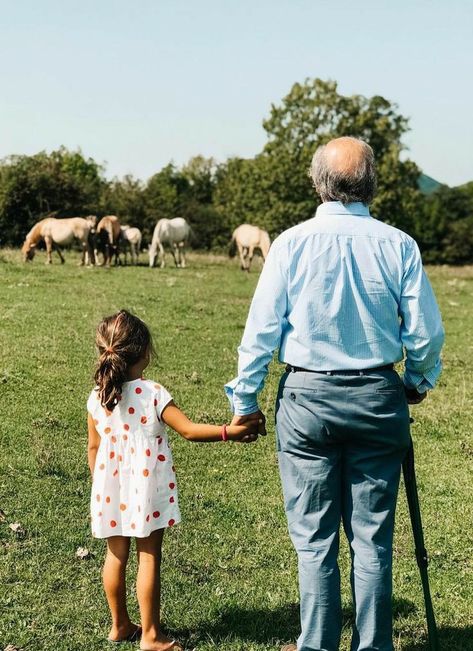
x=229 y=578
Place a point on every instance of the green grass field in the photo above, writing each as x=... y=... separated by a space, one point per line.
x=229 y=571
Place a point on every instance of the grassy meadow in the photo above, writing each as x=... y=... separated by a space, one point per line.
x=229 y=570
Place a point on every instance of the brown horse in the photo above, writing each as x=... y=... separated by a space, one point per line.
x=60 y=232
x=108 y=238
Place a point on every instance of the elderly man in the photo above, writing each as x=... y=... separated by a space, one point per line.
x=342 y=296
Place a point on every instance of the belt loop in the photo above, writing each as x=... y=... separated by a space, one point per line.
x=329 y=373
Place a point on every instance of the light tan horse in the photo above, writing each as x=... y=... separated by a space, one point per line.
x=246 y=238
x=60 y=232
x=108 y=238
x=130 y=239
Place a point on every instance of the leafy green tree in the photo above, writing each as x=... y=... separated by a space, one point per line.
x=124 y=198
x=274 y=190
x=62 y=182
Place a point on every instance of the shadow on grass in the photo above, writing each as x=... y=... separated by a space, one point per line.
x=450 y=639
x=264 y=626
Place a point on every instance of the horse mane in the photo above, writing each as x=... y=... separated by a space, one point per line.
x=34 y=234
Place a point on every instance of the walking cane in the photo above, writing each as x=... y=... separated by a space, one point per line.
x=410 y=484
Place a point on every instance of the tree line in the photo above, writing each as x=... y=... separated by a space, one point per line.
x=271 y=190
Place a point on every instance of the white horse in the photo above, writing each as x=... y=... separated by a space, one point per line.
x=61 y=232
x=246 y=238
x=131 y=238
x=176 y=233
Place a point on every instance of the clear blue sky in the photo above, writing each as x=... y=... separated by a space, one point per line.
x=136 y=84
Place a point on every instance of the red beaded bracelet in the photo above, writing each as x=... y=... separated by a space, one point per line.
x=224 y=433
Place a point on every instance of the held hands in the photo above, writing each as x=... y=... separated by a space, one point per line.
x=249 y=426
x=413 y=396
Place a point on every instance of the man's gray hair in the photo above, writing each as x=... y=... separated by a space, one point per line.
x=357 y=183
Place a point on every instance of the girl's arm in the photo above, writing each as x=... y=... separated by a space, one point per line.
x=179 y=422
x=94 y=442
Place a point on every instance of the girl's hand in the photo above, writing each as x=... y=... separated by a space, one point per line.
x=245 y=433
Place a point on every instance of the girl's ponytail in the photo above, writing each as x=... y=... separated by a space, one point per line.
x=110 y=375
x=122 y=340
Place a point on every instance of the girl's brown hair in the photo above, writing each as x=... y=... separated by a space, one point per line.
x=122 y=340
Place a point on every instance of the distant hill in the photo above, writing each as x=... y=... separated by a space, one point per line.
x=428 y=185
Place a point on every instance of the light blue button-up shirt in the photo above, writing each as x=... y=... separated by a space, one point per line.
x=340 y=291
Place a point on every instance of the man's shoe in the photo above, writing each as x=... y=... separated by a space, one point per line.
x=289 y=647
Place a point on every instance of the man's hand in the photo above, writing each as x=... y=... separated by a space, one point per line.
x=413 y=396
x=257 y=416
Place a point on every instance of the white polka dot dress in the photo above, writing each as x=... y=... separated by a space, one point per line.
x=134 y=484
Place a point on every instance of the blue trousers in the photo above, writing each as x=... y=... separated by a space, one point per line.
x=341 y=441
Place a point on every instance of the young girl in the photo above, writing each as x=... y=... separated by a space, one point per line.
x=134 y=483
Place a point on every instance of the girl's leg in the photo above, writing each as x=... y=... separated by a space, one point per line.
x=114 y=570
x=148 y=589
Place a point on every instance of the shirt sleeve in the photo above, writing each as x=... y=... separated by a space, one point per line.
x=92 y=402
x=162 y=397
x=262 y=334
x=422 y=332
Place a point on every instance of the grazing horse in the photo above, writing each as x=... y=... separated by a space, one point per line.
x=60 y=232
x=108 y=237
x=246 y=239
x=176 y=233
x=131 y=239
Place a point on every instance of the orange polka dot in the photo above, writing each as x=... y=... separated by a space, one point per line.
x=100 y=514
x=171 y=499
x=138 y=390
x=171 y=522
x=161 y=457
x=96 y=422
x=115 y=473
x=122 y=507
x=98 y=498
x=131 y=410
x=144 y=420
x=156 y=514
x=114 y=439
x=126 y=427
x=102 y=466
x=147 y=518
x=148 y=452
x=157 y=386
x=172 y=485
x=145 y=472
x=125 y=437
x=155 y=402
x=133 y=525
x=113 y=523
x=112 y=454
x=132 y=450
x=120 y=458
x=107 y=430
x=107 y=499
x=160 y=440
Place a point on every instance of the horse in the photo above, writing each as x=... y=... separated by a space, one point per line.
x=246 y=238
x=176 y=233
x=60 y=232
x=131 y=238
x=108 y=237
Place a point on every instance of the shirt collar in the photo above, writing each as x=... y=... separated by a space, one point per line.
x=339 y=208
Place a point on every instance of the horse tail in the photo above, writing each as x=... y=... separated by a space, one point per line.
x=265 y=243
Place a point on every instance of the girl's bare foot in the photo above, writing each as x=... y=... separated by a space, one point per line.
x=127 y=632
x=159 y=643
